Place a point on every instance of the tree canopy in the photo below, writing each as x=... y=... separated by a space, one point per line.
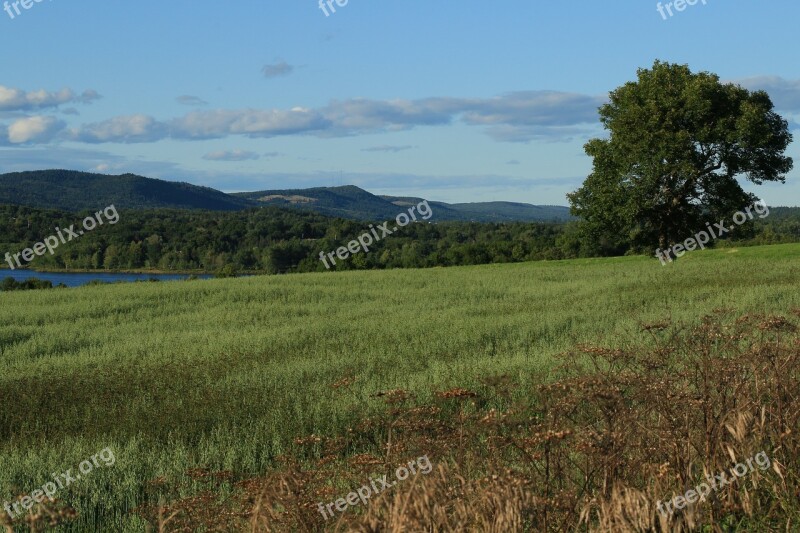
x=678 y=144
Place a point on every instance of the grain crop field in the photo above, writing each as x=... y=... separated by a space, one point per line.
x=227 y=374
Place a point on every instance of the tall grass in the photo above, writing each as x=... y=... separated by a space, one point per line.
x=225 y=374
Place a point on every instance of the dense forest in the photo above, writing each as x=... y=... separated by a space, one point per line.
x=274 y=240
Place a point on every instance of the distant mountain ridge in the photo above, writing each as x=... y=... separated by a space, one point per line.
x=71 y=190
x=347 y=201
x=76 y=191
x=492 y=211
x=353 y=202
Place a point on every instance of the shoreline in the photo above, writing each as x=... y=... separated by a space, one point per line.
x=142 y=272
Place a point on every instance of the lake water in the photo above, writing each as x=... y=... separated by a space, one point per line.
x=76 y=279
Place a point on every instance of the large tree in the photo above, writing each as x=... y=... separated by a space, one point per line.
x=678 y=143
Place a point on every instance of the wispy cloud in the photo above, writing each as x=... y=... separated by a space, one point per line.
x=785 y=94
x=12 y=99
x=22 y=157
x=388 y=148
x=231 y=155
x=521 y=116
x=515 y=117
x=187 y=99
x=275 y=70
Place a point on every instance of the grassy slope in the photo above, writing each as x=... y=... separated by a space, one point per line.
x=225 y=373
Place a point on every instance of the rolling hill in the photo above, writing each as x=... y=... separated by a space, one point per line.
x=353 y=202
x=492 y=211
x=75 y=191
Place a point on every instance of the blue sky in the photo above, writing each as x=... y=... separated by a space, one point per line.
x=453 y=101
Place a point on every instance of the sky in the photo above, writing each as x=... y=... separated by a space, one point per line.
x=452 y=101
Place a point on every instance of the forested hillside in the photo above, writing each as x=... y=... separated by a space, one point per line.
x=274 y=240
x=72 y=191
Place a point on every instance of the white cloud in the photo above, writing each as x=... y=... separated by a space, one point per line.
x=12 y=99
x=123 y=129
x=515 y=117
x=521 y=116
x=34 y=129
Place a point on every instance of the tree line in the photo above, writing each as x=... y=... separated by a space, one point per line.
x=275 y=241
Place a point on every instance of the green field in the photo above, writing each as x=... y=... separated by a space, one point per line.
x=225 y=374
